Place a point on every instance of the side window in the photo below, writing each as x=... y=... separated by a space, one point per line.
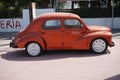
x=72 y=23
x=52 y=24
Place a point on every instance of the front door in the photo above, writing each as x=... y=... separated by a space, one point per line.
x=52 y=34
x=72 y=33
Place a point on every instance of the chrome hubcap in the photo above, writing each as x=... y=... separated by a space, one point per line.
x=33 y=49
x=99 y=45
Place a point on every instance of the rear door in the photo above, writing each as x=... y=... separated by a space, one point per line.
x=52 y=34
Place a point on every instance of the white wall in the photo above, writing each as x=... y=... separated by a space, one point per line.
x=116 y=23
x=38 y=12
x=16 y=24
x=11 y=25
x=103 y=22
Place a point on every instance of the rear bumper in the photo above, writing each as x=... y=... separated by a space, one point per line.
x=12 y=44
x=113 y=44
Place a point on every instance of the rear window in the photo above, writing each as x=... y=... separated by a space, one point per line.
x=52 y=24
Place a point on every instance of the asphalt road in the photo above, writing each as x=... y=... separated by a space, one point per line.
x=59 y=65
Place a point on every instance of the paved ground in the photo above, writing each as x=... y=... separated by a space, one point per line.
x=59 y=65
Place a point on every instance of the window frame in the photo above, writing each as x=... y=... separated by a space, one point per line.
x=74 y=25
x=43 y=27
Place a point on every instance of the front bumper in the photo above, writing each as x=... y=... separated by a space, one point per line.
x=12 y=44
x=113 y=44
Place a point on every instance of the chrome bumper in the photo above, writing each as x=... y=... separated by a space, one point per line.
x=113 y=44
x=12 y=44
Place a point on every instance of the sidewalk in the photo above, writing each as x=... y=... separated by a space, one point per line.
x=6 y=37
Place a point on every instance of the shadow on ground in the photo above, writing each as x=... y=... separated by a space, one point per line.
x=20 y=55
x=116 y=77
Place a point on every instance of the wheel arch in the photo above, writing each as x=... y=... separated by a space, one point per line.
x=91 y=41
x=22 y=43
x=42 y=43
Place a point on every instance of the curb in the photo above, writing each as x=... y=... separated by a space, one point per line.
x=115 y=34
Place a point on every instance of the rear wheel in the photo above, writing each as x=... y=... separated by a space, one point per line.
x=33 y=49
x=99 y=46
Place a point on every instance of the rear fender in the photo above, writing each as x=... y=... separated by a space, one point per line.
x=24 y=40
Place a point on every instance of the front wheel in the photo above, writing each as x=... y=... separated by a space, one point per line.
x=33 y=49
x=99 y=46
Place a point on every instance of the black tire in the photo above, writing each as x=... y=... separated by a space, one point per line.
x=99 y=45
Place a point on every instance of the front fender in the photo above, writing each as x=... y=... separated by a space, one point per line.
x=22 y=41
x=103 y=35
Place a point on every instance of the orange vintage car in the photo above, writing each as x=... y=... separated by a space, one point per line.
x=62 y=31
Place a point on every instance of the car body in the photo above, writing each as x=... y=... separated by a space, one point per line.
x=62 y=31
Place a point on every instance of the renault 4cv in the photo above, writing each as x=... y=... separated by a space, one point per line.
x=62 y=31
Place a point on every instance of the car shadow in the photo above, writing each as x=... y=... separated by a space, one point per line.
x=20 y=55
x=116 y=77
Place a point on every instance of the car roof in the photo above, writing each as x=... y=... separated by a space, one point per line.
x=58 y=15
